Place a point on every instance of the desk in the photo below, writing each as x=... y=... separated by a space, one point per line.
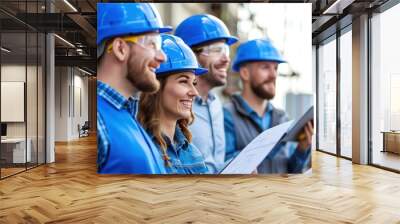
x=391 y=141
x=16 y=147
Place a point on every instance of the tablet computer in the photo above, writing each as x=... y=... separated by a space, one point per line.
x=299 y=125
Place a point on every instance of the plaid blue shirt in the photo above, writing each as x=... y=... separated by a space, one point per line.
x=118 y=101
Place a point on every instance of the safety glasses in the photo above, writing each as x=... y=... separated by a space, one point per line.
x=146 y=41
x=216 y=49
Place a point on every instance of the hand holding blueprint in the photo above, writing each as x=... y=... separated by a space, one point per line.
x=255 y=152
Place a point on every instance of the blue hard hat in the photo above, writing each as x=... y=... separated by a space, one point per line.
x=203 y=28
x=121 y=19
x=256 y=50
x=179 y=57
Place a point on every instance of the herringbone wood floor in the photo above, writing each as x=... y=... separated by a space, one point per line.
x=70 y=191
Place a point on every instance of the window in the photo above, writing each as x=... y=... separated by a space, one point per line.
x=385 y=89
x=346 y=94
x=23 y=89
x=327 y=96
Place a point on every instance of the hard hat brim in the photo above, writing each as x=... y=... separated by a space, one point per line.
x=165 y=29
x=236 y=66
x=231 y=40
x=200 y=71
x=196 y=71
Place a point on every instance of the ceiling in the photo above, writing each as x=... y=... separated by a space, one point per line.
x=23 y=21
x=330 y=15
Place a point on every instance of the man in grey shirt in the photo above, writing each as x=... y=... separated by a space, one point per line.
x=210 y=39
x=251 y=112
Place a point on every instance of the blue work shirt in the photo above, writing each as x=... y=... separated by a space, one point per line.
x=124 y=147
x=286 y=154
x=184 y=157
x=208 y=131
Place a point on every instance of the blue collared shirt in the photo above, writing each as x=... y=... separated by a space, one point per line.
x=208 y=131
x=146 y=154
x=296 y=159
x=118 y=101
x=184 y=157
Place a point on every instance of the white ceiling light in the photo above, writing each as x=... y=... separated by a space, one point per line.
x=84 y=71
x=338 y=6
x=70 y=5
x=65 y=41
x=5 y=50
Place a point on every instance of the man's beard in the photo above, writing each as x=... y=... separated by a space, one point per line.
x=261 y=92
x=142 y=81
x=211 y=79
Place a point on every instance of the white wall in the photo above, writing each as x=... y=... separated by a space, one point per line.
x=80 y=100
x=12 y=101
x=61 y=103
x=71 y=94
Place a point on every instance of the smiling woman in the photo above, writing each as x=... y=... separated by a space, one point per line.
x=178 y=96
x=167 y=113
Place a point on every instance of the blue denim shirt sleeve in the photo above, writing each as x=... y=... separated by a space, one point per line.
x=195 y=165
x=299 y=160
x=230 y=138
x=188 y=160
x=103 y=143
x=184 y=157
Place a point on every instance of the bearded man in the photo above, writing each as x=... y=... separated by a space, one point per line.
x=128 y=53
x=250 y=112
x=210 y=40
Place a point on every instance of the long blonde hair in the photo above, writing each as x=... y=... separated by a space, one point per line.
x=149 y=116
